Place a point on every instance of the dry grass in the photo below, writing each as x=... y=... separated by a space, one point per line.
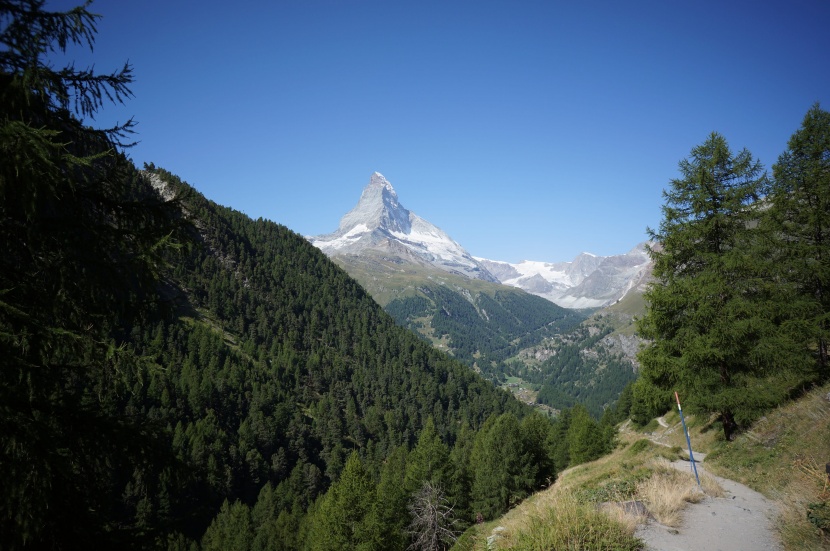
x=668 y=490
x=568 y=523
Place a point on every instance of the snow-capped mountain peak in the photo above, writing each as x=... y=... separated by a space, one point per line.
x=381 y=223
x=381 y=228
x=588 y=281
x=378 y=208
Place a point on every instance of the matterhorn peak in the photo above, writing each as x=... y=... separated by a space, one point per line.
x=379 y=180
x=378 y=208
x=380 y=223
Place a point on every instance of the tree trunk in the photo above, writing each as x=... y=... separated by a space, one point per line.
x=729 y=425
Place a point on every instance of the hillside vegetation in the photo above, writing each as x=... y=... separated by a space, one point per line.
x=177 y=375
x=782 y=456
x=480 y=323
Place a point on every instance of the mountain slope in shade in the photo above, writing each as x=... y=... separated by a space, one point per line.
x=380 y=224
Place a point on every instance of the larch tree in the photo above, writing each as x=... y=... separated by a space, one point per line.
x=798 y=219
x=82 y=236
x=713 y=321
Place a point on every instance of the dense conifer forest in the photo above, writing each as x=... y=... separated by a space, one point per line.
x=176 y=374
x=481 y=330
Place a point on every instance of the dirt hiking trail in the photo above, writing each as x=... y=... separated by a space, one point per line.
x=739 y=521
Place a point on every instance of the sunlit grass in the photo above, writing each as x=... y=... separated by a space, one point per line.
x=783 y=456
x=667 y=492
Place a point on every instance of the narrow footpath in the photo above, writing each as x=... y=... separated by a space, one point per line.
x=739 y=521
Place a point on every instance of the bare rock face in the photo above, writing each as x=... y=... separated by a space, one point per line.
x=380 y=223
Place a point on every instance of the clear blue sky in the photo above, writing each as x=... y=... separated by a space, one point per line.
x=525 y=130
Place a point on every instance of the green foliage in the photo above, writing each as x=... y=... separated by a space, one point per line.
x=538 y=440
x=392 y=500
x=230 y=529
x=345 y=517
x=503 y=473
x=715 y=322
x=648 y=401
x=428 y=462
x=819 y=515
x=81 y=254
x=586 y=440
x=799 y=221
x=482 y=329
x=581 y=370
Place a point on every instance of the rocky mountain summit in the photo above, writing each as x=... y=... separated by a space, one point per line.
x=379 y=223
x=380 y=231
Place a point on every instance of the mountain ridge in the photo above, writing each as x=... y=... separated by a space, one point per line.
x=381 y=228
x=588 y=281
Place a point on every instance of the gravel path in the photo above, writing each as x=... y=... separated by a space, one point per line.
x=740 y=521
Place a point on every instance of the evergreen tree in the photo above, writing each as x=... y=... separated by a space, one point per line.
x=231 y=529
x=586 y=440
x=799 y=224
x=538 y=440
x=81 y=241
x=392 y=499
x=428 y=462
x=648 y=401
x=503 y=473
x=713 y=321
x=345 y=518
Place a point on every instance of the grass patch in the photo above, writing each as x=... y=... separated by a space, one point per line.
x=783 y=456
x=668 y=490
x=571 y=524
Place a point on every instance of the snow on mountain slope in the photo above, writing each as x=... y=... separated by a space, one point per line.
x=380 y=223
x=588 y=281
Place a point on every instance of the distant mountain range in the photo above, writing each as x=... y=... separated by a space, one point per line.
x=588 y=281
x=380 y=228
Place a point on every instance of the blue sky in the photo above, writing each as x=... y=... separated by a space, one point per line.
x=525 y=130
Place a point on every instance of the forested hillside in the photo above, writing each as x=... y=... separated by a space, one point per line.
x=177 y=375
x=579 y=369
x=482 y=329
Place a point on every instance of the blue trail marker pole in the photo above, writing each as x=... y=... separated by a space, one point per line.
x=688 y=440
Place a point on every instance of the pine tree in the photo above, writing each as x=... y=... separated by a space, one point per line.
x=713 y=319
x=428 y=462
x=503 y=472
x=231 y=530
x=586 y=441
x=345 y=517
x=392 y=500
x=538 y=441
